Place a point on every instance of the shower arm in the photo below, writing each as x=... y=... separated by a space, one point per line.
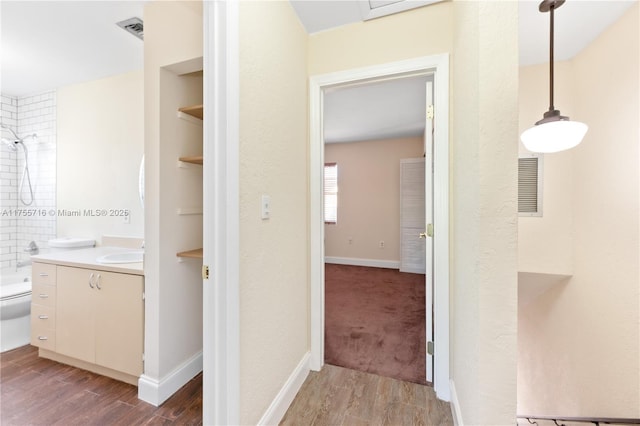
x=10 y=130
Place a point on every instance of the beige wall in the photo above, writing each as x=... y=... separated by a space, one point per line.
x=484 y=211
x=368 y=197
x=173 y=290
x=274 y=271
x=535 y=254
x=579 y=341
x=419 y=32
x=100 y=143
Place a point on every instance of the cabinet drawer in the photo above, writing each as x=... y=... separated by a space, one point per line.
x=44 y=338
x=43 y=317
x=43 y=273
x=43 y=295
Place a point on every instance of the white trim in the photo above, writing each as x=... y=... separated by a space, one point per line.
x=455 y=406
x=284 y=398
x=374 y=263
x=368 y=12
x=439 y=66
x=441 y=228
x=316 y=223
x=155 y=391
x=221 y=235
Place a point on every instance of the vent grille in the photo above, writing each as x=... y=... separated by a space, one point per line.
x=133 y=26
x=529 y=186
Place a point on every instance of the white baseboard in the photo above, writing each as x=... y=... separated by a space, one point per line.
x=284 y=398
x=455 y=405
x=374 y=263
x=156 y=391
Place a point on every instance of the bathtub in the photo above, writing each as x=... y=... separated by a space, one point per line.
x=15 y=308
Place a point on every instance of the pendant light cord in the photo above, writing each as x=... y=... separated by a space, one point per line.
x=551 y=107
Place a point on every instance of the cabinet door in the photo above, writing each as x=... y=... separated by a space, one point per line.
x=119 y=322
x=75 y=313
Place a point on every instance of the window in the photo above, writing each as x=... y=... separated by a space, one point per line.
x=530 y=185
x=330 y=193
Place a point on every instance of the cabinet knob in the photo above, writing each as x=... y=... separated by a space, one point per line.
x=98 y=283
x=43 y=296
x=43 y=316
x=91 y=280
x=43 y=274
x=43 y=338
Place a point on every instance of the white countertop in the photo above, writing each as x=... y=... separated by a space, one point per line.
x=86 y=258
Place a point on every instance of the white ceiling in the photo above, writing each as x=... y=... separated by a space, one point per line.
x=49 y=44
x=381 y=110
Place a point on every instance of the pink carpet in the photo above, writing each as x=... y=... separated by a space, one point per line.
x=375 y=321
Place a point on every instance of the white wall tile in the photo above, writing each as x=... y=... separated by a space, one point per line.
x=27 y=115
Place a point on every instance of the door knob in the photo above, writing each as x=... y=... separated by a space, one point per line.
x=423 y=235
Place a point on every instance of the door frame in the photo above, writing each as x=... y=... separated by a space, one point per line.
x=439 y=66
x=221 y=206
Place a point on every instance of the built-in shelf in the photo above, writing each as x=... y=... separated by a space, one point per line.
x=193 y=114
x=194 y=111
x=194 y=254
x=183 y=211
x=193 y=160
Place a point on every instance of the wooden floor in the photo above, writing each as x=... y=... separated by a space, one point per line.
x=36 y=391
x=339 y=396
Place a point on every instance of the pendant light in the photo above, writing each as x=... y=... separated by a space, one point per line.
x=554 y=132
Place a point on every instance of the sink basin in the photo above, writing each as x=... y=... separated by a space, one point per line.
x=122 y=257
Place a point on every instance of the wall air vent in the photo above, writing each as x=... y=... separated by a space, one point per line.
x=530 y=185
x=133 y=26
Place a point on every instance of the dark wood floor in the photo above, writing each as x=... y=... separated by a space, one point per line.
x=37 y=391
x=340 y=396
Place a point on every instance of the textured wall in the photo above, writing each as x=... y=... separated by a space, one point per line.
x=484 y=216
x=368 y=197
x=418 y=32
x=274 y=272
x=580 y=341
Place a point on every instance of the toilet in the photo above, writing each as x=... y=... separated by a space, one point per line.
x=15 y=297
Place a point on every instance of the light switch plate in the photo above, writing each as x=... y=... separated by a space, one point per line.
x=265 y=203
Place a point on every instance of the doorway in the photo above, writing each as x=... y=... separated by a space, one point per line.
x=375 y=204
x=438 y=66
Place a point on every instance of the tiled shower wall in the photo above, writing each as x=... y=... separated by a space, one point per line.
x=23 y=222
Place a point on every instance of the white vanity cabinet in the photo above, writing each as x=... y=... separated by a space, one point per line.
x=100 y=318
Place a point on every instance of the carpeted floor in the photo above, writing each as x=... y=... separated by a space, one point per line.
x=375 y=321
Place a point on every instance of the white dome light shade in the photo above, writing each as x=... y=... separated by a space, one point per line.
x=553 y=136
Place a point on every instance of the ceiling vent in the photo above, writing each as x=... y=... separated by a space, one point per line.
x=133 y=26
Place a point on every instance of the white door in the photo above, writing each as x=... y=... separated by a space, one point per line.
x=428 y=228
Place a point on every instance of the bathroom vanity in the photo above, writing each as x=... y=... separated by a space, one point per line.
x=89 y=314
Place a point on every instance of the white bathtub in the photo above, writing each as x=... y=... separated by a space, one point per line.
x=15 y=308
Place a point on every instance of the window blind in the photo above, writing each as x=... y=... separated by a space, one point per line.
x=331 y=193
